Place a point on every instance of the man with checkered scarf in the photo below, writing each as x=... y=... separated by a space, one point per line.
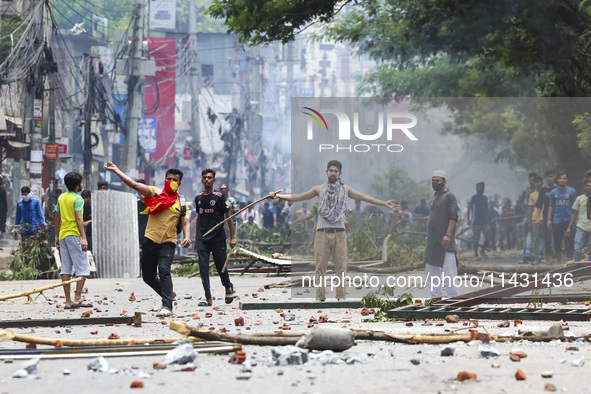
x=330 y=239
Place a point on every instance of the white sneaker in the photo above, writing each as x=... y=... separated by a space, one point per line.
x=164 y=312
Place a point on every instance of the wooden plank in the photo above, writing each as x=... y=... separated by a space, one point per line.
x=300 y=305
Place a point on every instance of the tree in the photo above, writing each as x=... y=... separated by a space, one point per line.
x=263 y=21
x=458 y=48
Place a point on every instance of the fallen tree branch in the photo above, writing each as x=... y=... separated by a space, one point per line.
x=284 y=338
x=279 y=339
x=386 y=270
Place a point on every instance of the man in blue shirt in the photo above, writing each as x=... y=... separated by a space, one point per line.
x=29 y=215
x=560 y=211
x=478 y=218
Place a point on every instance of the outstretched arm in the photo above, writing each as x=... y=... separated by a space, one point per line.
x=297 y=197
x=142 y=189
x=355 y=195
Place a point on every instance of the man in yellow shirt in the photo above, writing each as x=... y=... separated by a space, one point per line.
x=164 y=208
x=71 y=238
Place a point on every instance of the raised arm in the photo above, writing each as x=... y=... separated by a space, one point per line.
x=142 y=189
x=297 y=197
x=355 y=195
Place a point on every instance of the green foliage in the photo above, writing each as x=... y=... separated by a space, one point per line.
x=10 y=24
x=262 y=21
x=186 y=268
x=376 y=300
x=395 y=183
x=34 y=258
x=453 y=48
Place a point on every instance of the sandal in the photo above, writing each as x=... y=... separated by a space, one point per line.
x=229 y=295
x=208 y=302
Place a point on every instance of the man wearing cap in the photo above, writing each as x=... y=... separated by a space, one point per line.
x=440 y=253
x=330 y=239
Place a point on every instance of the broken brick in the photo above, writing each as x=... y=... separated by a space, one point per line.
x=452 y=318
x=238 y=358
x=409 y=324
x=549 y=387
x=113 y=336
x=504 y=324
x=516 y=322
x=208 y=315
x=132 y=297
x=323 y=319
x=93 y=332
x=520 y=354
x=465 y=375
x=136 y=384
x=439 y=324
x=310 y=325
x=520 y=375
x=483 y=337
x=190 y=368
x=31 y=346
x=58 y=344
x=364 y=312
x=239 y=321
x=514 y=357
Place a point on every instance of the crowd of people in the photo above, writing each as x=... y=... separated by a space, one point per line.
x=546 y=217
x=548 y=220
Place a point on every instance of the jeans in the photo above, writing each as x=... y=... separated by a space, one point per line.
x=582 y=239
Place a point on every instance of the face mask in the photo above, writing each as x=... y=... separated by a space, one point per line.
x=26 y=198
x=437 y=186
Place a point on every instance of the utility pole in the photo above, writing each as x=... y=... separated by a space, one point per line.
x=88 y=109
x=195 y=75
x=134 y=88
x=31 y=89
x=256 y=121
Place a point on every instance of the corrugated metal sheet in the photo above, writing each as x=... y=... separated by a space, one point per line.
x=115 y=234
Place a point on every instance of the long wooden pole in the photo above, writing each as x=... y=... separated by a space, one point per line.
x=38 y=290
x=7 y=335
x=240 y=211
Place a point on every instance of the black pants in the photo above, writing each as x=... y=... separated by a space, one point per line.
x=219 y=258
x=559 y=232
x=156 y=261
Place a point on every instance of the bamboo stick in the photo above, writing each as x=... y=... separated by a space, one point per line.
x=240 y=211
x=38 y=290
x=7 y=335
